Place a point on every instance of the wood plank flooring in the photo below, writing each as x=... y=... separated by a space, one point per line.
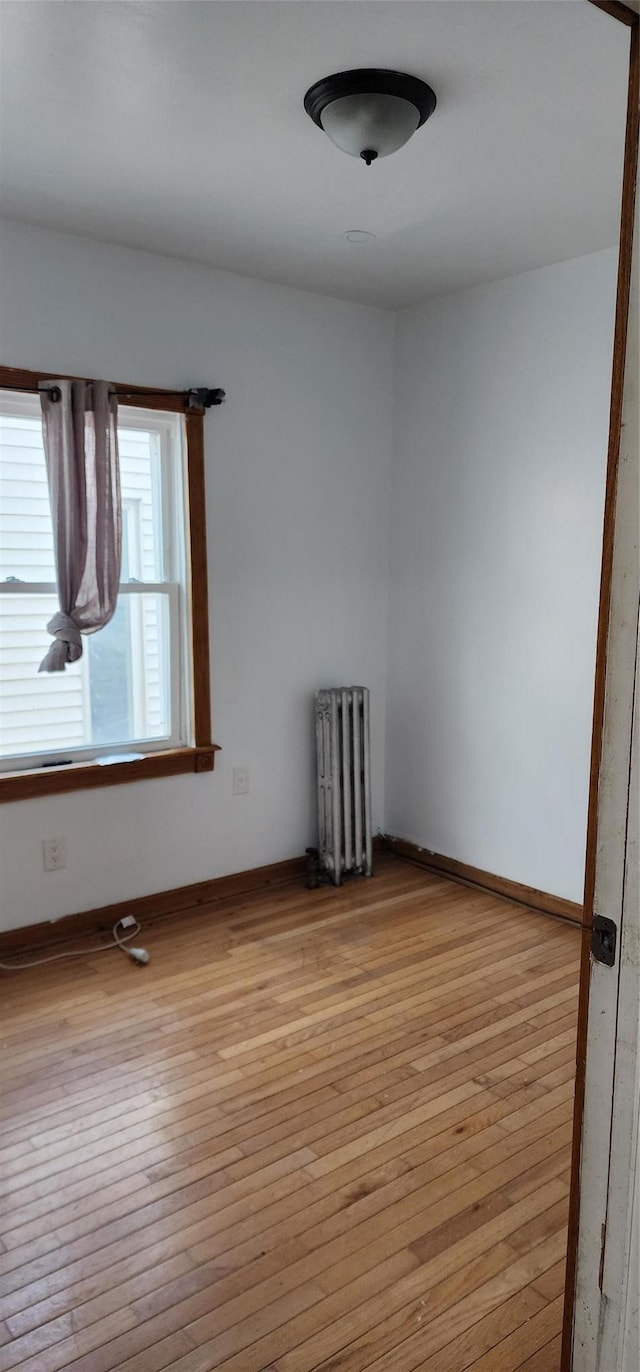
x=321 y=1130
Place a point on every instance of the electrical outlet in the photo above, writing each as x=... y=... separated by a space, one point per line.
x=240 y=781
x=54 y=854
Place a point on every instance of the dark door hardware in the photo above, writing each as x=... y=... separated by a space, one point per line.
x=604 y=937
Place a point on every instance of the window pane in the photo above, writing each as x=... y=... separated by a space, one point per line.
x=36 y=712
x=129 y=672
x=110 y=673
x=141 y=487
x=26 y=537
x=118 y=694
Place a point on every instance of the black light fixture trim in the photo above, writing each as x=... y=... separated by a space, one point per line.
x=369 y=81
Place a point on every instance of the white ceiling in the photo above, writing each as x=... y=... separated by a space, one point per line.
x=179 y=127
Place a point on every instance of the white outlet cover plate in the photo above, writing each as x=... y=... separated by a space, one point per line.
x=54 y=854
x=240 y=781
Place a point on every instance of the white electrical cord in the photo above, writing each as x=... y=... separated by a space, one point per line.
x=139 y=955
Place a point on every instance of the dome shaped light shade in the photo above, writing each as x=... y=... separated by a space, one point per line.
x=370 y=112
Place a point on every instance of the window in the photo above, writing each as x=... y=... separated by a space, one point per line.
x=129 y=707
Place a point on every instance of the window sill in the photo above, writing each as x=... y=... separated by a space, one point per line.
x=49 y=781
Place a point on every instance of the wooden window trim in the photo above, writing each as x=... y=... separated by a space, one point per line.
x=43 y=781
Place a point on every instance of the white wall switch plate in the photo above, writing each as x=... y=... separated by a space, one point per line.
x=240 y=781
x=54 y=854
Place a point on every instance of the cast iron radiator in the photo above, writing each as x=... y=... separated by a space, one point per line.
x=344 y=782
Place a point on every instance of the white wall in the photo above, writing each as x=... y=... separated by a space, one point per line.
x=501 y=419
x=501 y=415
x=297 y=487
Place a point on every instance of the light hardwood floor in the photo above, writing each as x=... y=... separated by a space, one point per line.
x=321 y=1130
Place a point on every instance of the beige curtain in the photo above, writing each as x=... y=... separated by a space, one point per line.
x=79 y=423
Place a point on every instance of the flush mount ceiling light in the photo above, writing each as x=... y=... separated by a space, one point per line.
x=370 y=112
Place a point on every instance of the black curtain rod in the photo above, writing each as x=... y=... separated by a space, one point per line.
x=197 y=398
